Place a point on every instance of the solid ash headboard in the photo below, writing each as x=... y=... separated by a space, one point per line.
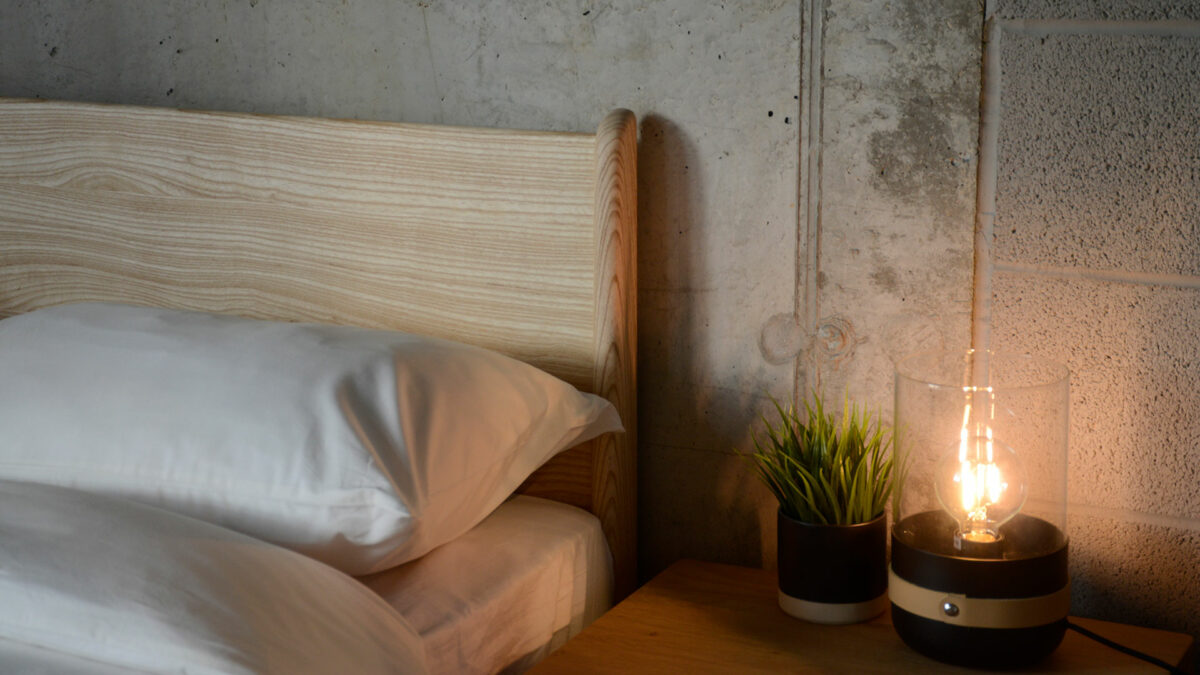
x=518 y=241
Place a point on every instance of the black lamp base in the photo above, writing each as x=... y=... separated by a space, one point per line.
x=993 y=648
x=1005 y=607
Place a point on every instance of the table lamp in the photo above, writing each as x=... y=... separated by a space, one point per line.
x=979 y=550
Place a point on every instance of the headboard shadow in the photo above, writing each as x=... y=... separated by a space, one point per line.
x=518 y=241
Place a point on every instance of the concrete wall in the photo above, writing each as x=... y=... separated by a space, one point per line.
x=1096 y=263
x=900 y=87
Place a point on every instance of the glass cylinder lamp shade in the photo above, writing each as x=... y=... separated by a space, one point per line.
x=979 y=547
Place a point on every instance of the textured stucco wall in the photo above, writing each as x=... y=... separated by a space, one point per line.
x=1097 y=264
x=754 y=280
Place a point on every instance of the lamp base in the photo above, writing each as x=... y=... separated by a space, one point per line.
x=1006 y=610
x=978 y=647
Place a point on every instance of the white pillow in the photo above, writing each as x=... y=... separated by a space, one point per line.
x=90 y=579
x=363 y=449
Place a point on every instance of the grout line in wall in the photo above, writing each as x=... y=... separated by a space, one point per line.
x=1110 y=513
x=1044 y=27
x=985 y=195
x=1118 y=276
x=801 y=199
x=811 y=92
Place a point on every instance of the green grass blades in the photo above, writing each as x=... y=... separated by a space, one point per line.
x=822 y=470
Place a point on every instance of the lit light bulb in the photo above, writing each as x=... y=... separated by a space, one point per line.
x=980 y=482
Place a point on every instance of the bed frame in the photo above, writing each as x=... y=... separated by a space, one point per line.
x=518 y=241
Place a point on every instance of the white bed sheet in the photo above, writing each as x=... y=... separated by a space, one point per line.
x=95 y=584
x=508 y=592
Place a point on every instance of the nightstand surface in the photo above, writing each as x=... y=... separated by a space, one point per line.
x=706 y=617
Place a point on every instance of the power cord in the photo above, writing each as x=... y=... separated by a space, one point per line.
x=1125 y=650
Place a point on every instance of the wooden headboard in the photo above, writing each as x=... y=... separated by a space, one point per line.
x=522 y=242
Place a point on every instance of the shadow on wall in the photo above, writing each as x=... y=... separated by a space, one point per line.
x=1122 y=571
x=690 y=485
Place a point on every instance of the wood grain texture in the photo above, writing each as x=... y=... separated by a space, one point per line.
x=614 y=475
x=710 y=618
x=567 y=478
x=518 y=241
x=609 y=464
x=444 y=231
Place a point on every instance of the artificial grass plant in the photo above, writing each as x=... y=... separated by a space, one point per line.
x=824 y=471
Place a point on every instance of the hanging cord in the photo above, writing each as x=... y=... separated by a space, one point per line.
x=1125 y=650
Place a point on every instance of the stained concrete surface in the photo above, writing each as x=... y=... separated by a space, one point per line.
x=901 y=93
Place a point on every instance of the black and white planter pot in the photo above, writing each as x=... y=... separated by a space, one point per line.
x=833 y=573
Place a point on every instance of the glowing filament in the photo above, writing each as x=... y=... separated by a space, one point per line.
x=980 y=481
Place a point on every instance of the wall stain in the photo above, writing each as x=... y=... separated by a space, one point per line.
x=885 y=278
x=910 y=161
x=922 y=160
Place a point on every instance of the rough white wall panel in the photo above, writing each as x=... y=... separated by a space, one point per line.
x=1134 y=384
x=1108 y=10
x=1134 y=572
x=1099 y=266
x=1100 y=152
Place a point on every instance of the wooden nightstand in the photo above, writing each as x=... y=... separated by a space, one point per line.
x=705 y=617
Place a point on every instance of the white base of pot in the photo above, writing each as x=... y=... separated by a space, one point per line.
x=833 y=612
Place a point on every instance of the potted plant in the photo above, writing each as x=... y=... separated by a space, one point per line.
x=832 y=479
